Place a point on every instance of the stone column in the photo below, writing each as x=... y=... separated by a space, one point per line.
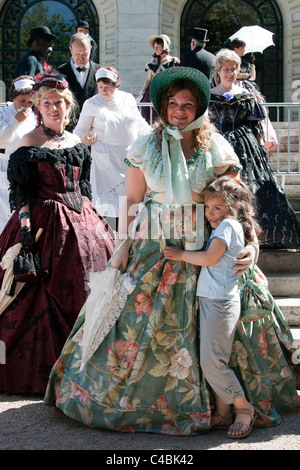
x=137 y=21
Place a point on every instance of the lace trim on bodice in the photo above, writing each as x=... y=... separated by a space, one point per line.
x=145 y=154
x=67 y=164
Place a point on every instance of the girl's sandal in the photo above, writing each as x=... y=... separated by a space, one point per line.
x=224 y=421
x=245 y=429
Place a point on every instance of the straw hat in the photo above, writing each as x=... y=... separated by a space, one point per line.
x=164 y=37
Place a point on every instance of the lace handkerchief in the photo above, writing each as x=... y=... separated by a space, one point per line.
x=109 y=291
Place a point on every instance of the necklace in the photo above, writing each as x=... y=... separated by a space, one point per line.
x=224 y=91
x=54 y=135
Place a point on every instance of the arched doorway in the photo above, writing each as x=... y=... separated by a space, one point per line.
x=17 y=17
x=223 y=18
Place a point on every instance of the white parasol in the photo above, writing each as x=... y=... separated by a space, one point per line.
x=257 y=39
x=109 y=291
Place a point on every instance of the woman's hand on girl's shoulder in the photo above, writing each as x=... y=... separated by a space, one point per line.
x=245 y=259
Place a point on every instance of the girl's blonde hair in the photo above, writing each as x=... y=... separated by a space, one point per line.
x=240 y=200
x=223 y=56
x=201 y=135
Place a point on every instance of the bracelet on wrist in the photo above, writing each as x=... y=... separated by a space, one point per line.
x=121 y=238
x=25 y=229
x=23 y=215
x=256 y=248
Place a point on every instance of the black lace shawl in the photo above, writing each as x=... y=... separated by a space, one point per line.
x=22 y=171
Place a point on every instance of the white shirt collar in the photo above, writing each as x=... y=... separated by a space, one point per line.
x=80 y=76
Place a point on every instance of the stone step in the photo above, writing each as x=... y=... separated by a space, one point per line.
x=284 y=166
x=286 y=124
x=294 y=147
x=285 y=132
x=284 y=156
x=292 y=190
x=296 y=335
x=288 y=179
x=295 y=202
x=279 y=261
x=292 y=138
x=291 y=186
x=290 y=308
x=284 y=284
x=283 y=137
x=288 y=137
x=282 y=270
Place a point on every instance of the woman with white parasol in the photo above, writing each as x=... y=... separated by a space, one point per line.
x=237 y=116
x=253 y=39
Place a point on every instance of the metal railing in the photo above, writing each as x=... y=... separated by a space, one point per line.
x=288 y=149
x=285 y=157
x=147 y=105
x=287 y=152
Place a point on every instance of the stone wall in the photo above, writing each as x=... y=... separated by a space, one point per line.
x=291 y=17
x=136 y=20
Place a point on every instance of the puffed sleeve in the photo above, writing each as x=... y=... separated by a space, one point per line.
x=84 y=183
x=8 y=123
x=223 y=157
x=256 y=114
x=255 y=110
x=85 y=121
x=137 y=151
x=22 y=176
x=216 y=160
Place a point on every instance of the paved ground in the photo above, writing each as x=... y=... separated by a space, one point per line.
x=27 y=424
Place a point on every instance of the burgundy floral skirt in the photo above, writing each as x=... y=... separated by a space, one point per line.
x=35 y=326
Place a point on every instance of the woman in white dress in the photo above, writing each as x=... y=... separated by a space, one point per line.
x=113 y=122
x=16 y=120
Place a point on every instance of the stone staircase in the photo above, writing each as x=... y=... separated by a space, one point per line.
x=282 y=267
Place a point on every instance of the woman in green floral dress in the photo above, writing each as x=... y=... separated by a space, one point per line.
x=138 y=370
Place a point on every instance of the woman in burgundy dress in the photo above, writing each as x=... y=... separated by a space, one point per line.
x=49 y=189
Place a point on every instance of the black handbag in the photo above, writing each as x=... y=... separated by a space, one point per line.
x=24 y=267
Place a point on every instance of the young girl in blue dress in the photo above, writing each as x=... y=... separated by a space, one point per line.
x=229 y=210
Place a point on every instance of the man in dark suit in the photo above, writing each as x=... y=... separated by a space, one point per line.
x=40 y=42
x=80 y=71
x=198 y=58
x=84 y=27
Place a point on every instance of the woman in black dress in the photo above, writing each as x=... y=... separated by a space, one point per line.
x=49 y=189
x=246 y=79
x=237 y=115
x=161 y=60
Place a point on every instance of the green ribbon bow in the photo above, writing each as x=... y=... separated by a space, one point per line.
x=177 y=183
